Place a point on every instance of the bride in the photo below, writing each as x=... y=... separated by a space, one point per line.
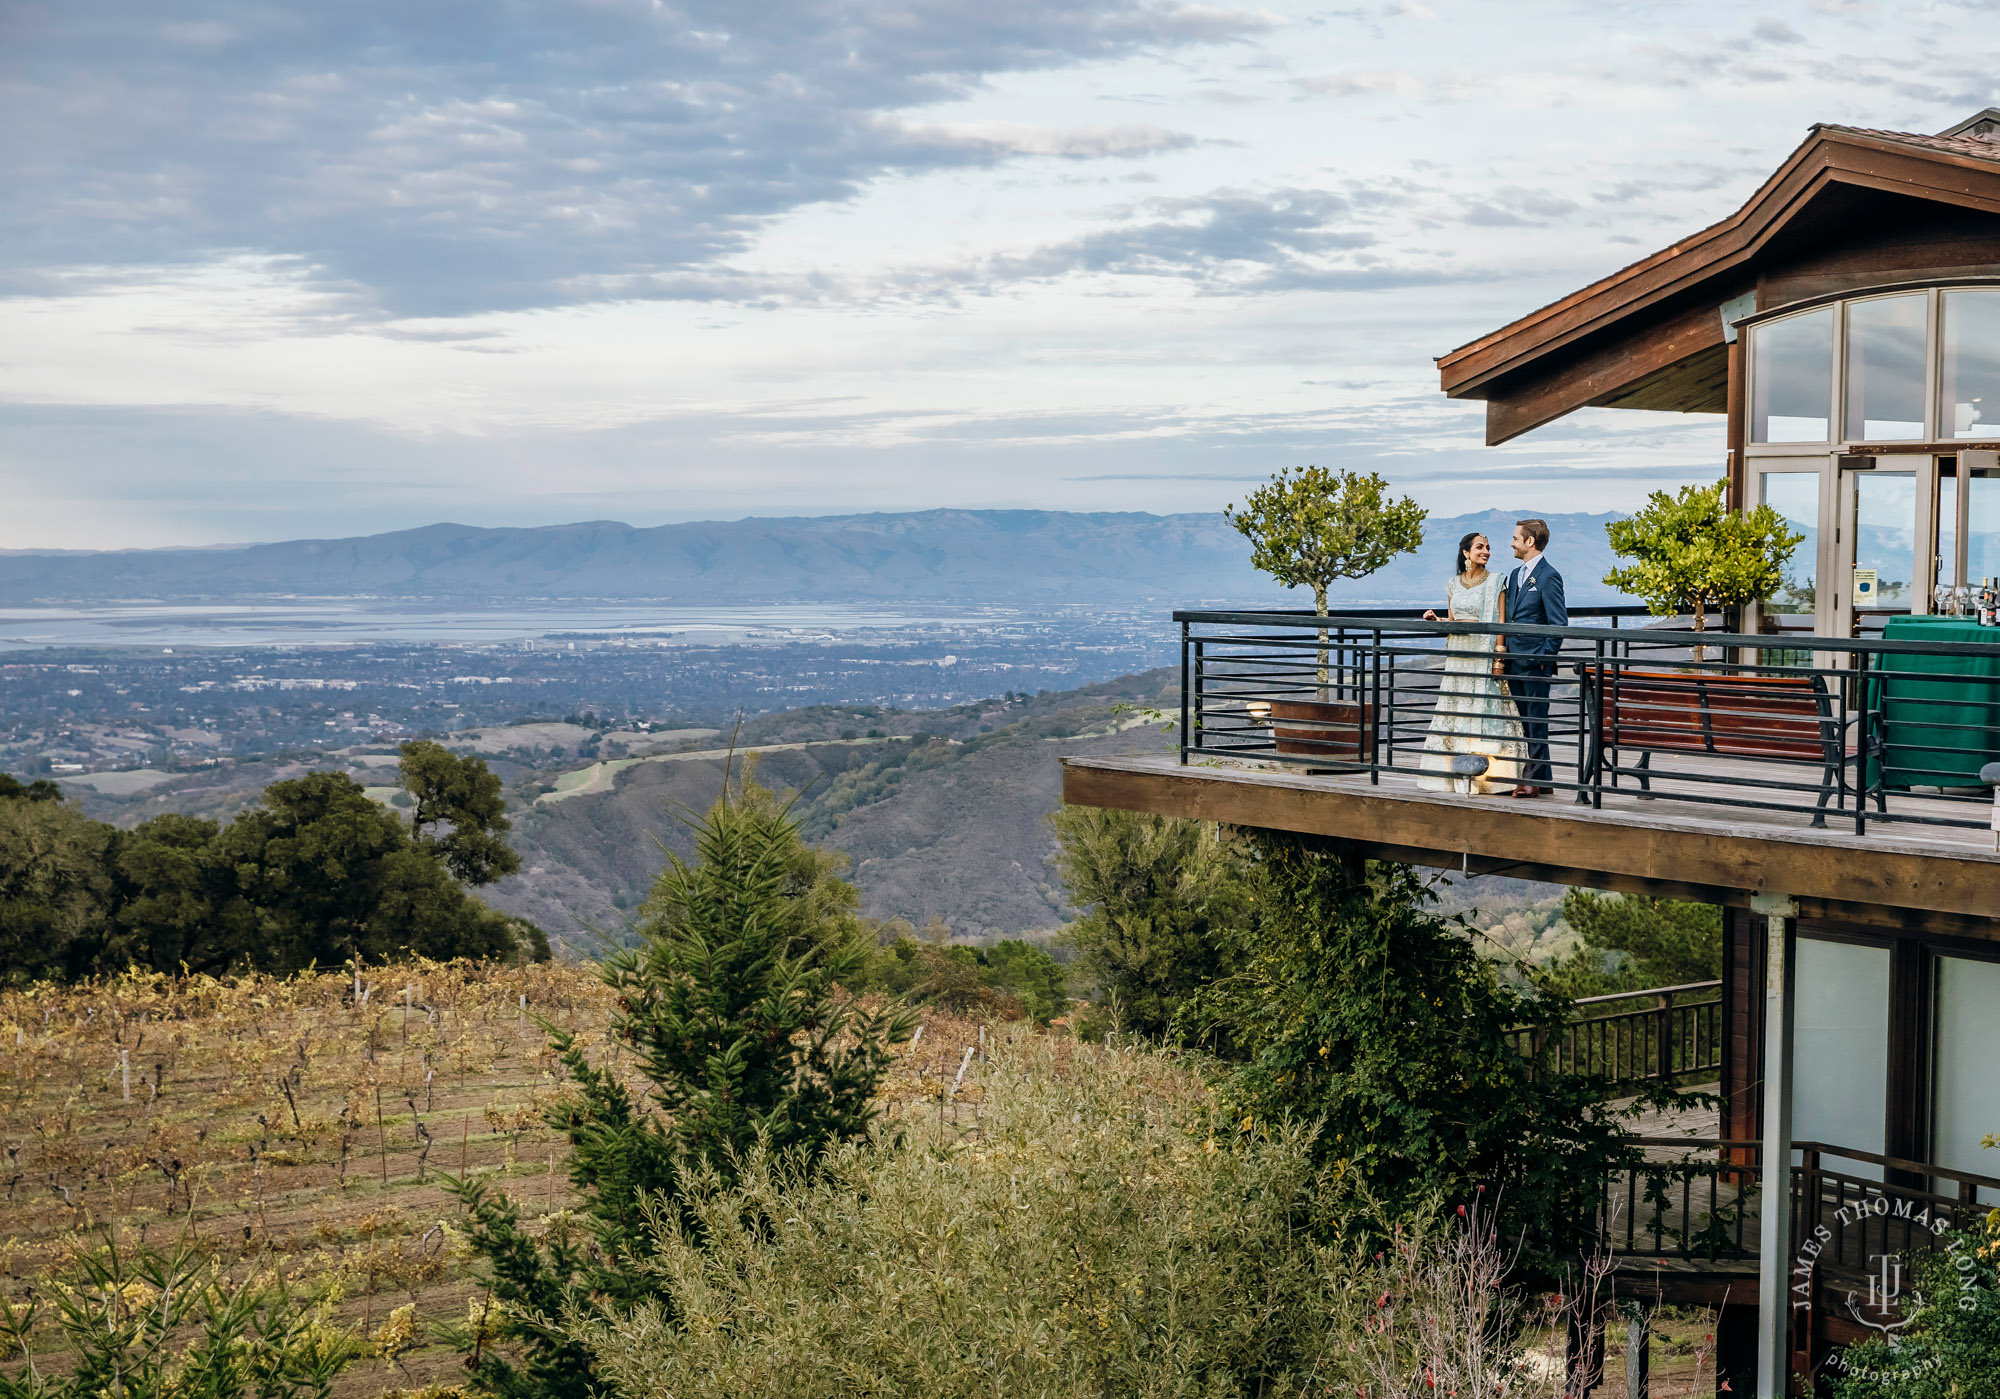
x=1474 y=712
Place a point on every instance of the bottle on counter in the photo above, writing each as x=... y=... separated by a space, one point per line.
x=1989 y=603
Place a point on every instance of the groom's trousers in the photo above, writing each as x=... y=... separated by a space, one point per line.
x=1528 y=681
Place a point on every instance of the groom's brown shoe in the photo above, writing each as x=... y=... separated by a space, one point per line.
x=1527 y=791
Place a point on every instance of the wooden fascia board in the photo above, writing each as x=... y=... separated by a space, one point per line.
x=1828 y=158
x=1600 y=373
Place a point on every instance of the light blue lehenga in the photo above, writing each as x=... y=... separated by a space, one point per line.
x=1474 y=713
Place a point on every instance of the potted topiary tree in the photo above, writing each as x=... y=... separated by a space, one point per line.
x=1689 y=554
x=1311 y=527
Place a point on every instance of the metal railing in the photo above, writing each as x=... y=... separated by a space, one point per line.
x=1669 y=1034
x=1857 y=729
x=1700 y=1200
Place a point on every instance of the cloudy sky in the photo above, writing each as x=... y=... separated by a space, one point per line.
x=281 y=269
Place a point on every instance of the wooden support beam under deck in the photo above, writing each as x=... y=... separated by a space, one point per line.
x=1941 y=883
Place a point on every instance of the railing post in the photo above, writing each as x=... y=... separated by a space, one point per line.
x=1198 y=727
x=1864 y=747
x=1596 y=722
x=1185 y=731
x=1371 y=709
x=1809 y=1190
x=1664 y=1050
x=1389 y=710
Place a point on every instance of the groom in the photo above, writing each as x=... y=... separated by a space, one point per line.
x=1535 y=596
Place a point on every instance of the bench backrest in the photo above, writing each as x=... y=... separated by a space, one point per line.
x=1746 y=716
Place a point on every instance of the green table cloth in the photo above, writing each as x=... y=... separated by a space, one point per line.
x=1938 y=732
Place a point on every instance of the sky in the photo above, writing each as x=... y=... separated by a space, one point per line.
x=273 y=271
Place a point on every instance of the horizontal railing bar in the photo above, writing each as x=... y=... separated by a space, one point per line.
x=1897 y=1163
x=1653 y=991
x=1722 y=1144
x=1659 y=638
x=1591 y=609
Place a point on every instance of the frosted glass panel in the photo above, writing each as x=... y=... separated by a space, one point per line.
x=1972 y=363
x=1840 y=1057
x=1792 y=378
x=1885 y=368
x=1968 y=1067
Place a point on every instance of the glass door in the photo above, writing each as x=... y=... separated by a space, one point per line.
x=1879 y=542
x=1792 y=487
x=1979 y=540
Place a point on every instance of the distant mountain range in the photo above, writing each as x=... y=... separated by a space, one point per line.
x=1003 y=557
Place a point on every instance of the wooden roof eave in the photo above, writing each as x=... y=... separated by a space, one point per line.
x=1826 y=157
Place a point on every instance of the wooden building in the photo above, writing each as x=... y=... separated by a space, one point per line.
x=1820 y=782
x=1846 y=324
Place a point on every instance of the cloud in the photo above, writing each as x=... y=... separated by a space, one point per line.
x=1225 y=242
x=492 y=154
x=1362 y=84
x=1776 y=31
x=1512 y=206
x=1233 y=240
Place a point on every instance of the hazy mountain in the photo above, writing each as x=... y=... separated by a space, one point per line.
x=956 y=556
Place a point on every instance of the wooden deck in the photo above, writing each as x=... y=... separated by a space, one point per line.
x=1939 y=879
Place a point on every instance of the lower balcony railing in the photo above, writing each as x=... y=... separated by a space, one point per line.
x=1670 y=1034
x=1701 y=1201
x=1848 y=729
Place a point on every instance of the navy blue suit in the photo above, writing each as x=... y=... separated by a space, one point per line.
x=1535 y=597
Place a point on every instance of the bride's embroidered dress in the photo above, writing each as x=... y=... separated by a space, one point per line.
x=1474 y=714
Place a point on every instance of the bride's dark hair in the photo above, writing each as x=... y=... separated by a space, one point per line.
x=1465 y=547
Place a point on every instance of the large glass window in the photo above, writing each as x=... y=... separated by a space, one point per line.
x=1791 y=375
x=1885 y=368
x=1968 y=1049
x=1795 y=495
x=1840 y=1054
x=1971 y=370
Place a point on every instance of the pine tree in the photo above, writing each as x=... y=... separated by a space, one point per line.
x=732 y=1006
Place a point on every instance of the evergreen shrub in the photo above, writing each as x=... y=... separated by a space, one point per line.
x=733 y=1009
x=1084 y=1229
x=1430 y=1077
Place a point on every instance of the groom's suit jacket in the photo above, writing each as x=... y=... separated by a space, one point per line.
x=1537 y=599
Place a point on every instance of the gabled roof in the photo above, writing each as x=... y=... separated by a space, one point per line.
x=1650 y=320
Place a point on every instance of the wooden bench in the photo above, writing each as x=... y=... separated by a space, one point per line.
x=1781 y=717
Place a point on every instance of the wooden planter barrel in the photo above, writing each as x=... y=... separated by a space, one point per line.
x=1337 y=731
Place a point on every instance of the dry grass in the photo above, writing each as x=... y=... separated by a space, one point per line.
x=283 y=1117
